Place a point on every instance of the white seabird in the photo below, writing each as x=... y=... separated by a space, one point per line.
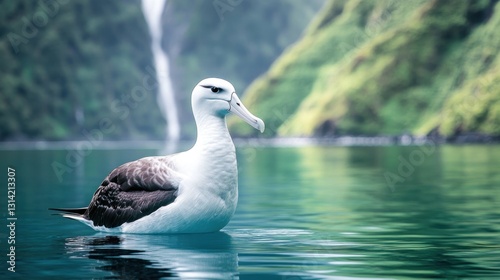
x=188 y=192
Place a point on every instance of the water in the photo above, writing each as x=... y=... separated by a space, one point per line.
x=304 y=213
x=153 y=10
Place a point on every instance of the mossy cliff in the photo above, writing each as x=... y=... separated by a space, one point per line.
x=386 y=68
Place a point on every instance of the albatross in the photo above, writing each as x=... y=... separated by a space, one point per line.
x=189 y=192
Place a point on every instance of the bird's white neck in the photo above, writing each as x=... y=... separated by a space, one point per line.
x=213 y=158
x=213 y=139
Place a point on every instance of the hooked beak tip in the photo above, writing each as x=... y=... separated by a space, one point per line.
x=260 y=125
x=237 y=108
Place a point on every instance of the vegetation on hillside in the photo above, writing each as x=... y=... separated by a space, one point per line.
x=386 y=67
x=70 y=68
x=74 y=70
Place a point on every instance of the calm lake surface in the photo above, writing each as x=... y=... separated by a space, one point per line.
x=314 y=212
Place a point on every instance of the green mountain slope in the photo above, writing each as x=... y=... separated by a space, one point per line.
x=386 y=67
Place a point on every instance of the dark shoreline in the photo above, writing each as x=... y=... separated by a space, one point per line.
x=402 y=140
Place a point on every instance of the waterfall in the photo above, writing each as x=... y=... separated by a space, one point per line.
x=153 y=10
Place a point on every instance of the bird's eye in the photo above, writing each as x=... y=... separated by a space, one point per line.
x=215 y=89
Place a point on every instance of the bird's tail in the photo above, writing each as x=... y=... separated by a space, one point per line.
x=74 y=211
x=74 y=214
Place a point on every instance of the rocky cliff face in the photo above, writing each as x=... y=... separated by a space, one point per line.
x=386 y=67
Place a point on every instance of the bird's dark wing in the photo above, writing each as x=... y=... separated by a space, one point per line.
x=132 y=191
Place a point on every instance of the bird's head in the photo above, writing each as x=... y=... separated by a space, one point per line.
x=217 y=97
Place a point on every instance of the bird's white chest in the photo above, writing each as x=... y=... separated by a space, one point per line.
x=208 y=192
x=211 y=174
x=206 y=201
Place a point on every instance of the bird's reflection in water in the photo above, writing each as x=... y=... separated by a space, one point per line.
x=201 y=256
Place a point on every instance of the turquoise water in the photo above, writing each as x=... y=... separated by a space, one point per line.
x=324 y=212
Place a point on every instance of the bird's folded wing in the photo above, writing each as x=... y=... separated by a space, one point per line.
x=150 y=173
x=132 y=191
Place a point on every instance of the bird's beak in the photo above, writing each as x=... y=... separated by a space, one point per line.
x=237 y=107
